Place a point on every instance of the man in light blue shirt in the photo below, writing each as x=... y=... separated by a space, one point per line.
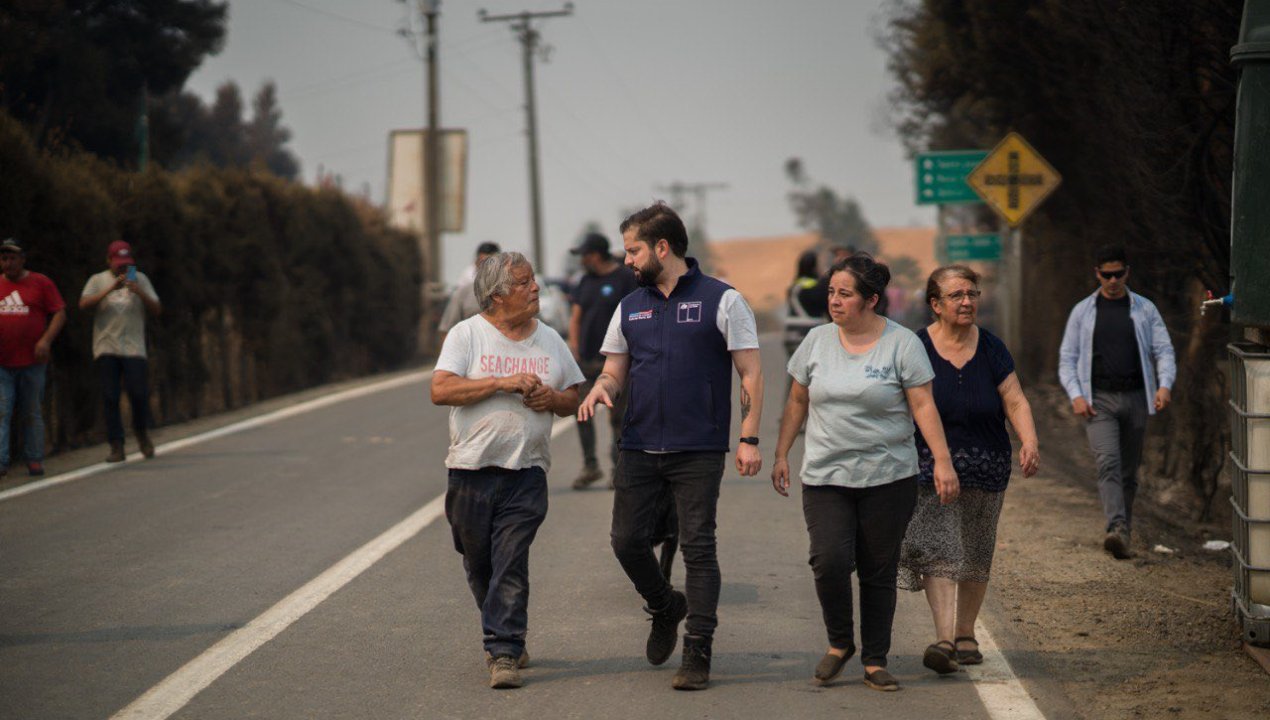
x=1116 y=364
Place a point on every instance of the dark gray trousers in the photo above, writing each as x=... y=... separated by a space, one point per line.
x=1116 y=435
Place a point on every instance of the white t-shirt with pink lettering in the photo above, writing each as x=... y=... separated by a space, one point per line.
x=500 y=431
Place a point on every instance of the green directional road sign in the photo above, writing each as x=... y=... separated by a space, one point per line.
x=972 y=247
x=941 y=176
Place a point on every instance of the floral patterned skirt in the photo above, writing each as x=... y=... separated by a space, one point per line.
x=953 y=541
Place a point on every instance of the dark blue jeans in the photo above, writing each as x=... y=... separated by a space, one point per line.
x=861 y=530
x=22 y=393
x=132 y=372
x=693 y=479
x=494 y=515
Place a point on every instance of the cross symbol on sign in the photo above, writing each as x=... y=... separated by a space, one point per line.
x=1013 y=179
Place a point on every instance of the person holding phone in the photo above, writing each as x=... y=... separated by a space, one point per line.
x=122 y=296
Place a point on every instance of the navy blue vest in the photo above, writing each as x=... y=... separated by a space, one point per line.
x=679 y=389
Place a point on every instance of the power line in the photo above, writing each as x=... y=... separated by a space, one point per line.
x=342 y=18
x=679 y=192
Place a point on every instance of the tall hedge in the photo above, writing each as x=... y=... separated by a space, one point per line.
x=267 y=286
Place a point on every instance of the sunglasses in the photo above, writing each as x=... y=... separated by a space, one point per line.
x=1112 y=274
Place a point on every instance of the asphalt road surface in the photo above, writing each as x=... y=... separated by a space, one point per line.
x=300 y=569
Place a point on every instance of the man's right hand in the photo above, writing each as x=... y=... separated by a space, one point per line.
x=598 y=395
x=1082 y=408
x=522 y=383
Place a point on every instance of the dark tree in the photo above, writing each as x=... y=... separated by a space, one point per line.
x=1133 y=102
x=76 y=71
x=266 y=136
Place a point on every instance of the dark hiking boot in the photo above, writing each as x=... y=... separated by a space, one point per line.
x=588 y=475
x=1117 y=543
x=504 y=673
x=116 y=452
x=521 y=662
x=665 y=631
x=694 y=673
x=147 y=447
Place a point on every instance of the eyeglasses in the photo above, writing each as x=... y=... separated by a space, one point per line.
x=963 y=294
x=1112 y=274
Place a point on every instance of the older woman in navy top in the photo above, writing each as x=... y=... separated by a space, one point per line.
x=947 y=550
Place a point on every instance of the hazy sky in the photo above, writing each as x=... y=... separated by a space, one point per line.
x=635 y=95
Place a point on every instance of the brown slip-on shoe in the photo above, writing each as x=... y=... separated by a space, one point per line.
x=882 y=680
x=830 y=667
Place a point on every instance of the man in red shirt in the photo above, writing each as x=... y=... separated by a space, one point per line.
x=31 y=315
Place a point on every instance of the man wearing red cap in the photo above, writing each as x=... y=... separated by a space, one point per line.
x=122 y=296
x=31 y=315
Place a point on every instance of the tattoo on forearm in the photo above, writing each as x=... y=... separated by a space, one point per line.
x=745 y=404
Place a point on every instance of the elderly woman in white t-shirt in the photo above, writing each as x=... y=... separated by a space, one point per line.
x=859 y=384
x=504 y=374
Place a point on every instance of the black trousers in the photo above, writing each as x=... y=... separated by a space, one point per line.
x=693 y=479
x=860 y=530
x=132 y=371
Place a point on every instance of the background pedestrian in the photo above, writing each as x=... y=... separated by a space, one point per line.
x=121 y=297
x=32 y=313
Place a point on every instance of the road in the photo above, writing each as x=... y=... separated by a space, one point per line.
x=139 y=591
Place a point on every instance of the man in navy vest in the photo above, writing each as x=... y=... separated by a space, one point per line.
x=671 y=346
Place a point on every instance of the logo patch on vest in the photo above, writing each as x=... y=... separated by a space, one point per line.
x=640 y=315
x=690 y=312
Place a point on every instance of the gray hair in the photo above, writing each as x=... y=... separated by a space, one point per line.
x=494 y=276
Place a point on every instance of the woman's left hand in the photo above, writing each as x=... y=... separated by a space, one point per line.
x=1029 y=460
x=946 y=483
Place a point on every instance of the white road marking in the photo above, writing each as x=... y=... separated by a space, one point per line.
x=999 y=688
x=176 y=691
x=248 y=424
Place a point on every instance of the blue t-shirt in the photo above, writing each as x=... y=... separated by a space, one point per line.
x=972 y=413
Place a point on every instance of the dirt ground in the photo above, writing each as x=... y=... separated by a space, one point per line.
x=1149 y=637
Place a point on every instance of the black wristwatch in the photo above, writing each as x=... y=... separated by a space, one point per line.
x=750 y=440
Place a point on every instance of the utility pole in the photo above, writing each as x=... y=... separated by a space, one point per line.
x=679 y=192
x=430 y=169
x=529 y=37
x=432 y=145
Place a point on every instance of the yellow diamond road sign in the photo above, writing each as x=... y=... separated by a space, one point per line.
x=1013 y=179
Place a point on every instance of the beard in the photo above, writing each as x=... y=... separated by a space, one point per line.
x=647 y=275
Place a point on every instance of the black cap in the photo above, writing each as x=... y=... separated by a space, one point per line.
x=487 y=248
x=593 y=242
x=11 y=245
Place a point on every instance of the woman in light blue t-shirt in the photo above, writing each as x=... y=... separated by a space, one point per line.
x=859 y=383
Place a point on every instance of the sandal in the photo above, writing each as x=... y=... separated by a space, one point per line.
x=941 y=657
x=882 y=680
x=969 y=657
